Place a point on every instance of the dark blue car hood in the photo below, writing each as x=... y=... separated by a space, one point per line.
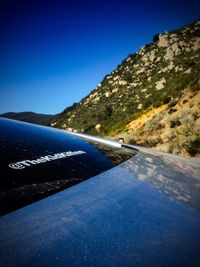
x=143 y=212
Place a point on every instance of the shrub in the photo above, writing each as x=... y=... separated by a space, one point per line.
x=156 y=37
x=174 y=122
x=152 y=141
x=188 y=137
x=133 y=141
x=173 y=103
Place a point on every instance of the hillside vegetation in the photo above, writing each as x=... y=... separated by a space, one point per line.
x=42 y=119
x=151 y=99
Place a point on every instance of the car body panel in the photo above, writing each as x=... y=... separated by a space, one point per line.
x=143 y=212
x=38 y=161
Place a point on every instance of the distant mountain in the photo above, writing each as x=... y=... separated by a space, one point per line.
x=31 y=117
x=152 y=98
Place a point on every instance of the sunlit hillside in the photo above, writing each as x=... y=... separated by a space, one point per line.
x=151 y=98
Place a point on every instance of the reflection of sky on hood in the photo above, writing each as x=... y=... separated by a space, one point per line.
x=112 y=219
x=173 y=177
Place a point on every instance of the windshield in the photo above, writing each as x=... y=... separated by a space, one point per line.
x=38 y=161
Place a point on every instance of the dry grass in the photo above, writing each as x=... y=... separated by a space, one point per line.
x=174 y=127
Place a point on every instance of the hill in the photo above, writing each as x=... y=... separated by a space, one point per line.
x=31 y=117
x=152 y=98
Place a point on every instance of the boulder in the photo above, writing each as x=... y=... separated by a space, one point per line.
x=97 y=127
x=196 y=45
x=163 y=40
x=160 y=84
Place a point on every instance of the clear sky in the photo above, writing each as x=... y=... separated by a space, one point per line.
x=53 y=53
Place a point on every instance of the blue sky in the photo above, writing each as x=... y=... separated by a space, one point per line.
x=53 y=53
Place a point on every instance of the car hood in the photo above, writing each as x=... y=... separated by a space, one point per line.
x=143 y=212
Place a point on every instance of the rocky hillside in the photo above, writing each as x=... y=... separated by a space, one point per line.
x=162 y=82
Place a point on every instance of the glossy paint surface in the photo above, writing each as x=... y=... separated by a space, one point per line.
x=144 y=212
x=113 y=219
x=38 y=161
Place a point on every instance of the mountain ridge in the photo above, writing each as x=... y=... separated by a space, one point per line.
x=32 y=117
